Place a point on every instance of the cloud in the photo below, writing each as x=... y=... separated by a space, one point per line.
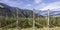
x=35 y=6
x=39 y=6
x=3 y=1
x=11 y=3
x=20 y=4
x=37 y=1
x=54 y=5
x=28 y=5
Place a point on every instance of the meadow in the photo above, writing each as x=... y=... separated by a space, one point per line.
x=9 y=23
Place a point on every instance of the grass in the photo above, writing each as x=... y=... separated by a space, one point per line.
x=56 y=28
x=43 y=28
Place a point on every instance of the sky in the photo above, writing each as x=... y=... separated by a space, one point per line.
x=33 y=4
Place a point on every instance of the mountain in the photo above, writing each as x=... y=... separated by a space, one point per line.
x=53 y=12
x=9 y=11
x=5 y=10
x=37 y=11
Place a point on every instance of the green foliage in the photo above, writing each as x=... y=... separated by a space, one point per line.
x=54 y=21
x=28 y=22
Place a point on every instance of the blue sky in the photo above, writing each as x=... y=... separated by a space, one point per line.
x=33 y=4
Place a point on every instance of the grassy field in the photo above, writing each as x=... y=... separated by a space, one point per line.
x=55 y=22
x=43 y=29
x=56 y=28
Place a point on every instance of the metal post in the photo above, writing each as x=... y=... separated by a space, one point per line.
x=33 y=20
x=47 y=27
x=48 y=17
x=38 y=15
x=17 y=19
x=48 y=20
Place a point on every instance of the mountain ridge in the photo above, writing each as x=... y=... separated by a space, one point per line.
x=12 y=11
